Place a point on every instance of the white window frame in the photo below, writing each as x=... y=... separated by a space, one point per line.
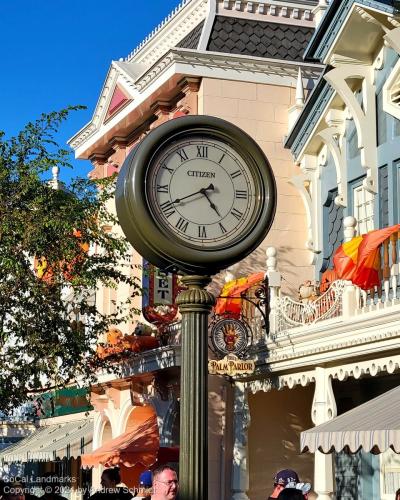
x=363 y=209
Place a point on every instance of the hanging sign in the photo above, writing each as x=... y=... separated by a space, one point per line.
x=158 y=303
x=229 y=336
x=231 y=365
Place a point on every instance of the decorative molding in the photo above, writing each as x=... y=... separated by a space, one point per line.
x=371 y=367
x=341 y=372
x=197 y=64
x=209 y=22
x=279 y=382
x=224 y=62
x=275 y=356
x=363 y=116
x=294 y=12
x=324 y=405
x=309 y=187
x=333 y=138
x=312 y=117
x=320 y=46
x=116 y=74
x=391 y=88
x=187 y=15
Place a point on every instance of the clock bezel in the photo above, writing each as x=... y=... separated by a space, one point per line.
x=162 y=246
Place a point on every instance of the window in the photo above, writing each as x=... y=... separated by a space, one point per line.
x=363 y=209
x=383 y=196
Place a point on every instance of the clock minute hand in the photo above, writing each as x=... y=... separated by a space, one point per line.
x=212 y=205
x=202 y=191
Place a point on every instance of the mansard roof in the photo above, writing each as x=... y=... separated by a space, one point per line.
x=203 y=37
x=259 y=39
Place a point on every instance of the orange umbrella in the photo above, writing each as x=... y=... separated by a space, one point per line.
x=139 y=445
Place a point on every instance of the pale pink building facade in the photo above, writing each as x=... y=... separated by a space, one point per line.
x=240 y=61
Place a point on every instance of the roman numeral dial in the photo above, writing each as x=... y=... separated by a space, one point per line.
x=202 y=192
x=195 y=195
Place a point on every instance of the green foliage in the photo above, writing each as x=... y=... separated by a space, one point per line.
x=49 y=325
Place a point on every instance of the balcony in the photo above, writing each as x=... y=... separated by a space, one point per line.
x=342 y=298
x=343 y=324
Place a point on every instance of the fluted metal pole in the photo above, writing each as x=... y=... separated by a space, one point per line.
x=195 y=303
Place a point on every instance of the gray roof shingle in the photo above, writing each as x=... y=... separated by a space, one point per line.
x=259 y=38
x=191 y=40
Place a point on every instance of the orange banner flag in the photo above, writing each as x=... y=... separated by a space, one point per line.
x=358 y=260
x=230 y=301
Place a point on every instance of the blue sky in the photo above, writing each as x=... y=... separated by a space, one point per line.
x=57 y=52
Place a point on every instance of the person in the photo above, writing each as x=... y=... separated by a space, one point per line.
x=165 y=483
x=281 y=480
x=290 y=494
x=145 y=484
x=51 y=487
x=14 y=490
x=397 y=497
x=110 y=490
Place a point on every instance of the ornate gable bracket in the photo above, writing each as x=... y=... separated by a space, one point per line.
x=391 y=88
x=324 y=404
x=364 y=114
x=333 y=139
x=392 y=38
x=308 y=185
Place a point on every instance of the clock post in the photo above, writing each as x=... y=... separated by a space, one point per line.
x=196 y=195
x=195 y=303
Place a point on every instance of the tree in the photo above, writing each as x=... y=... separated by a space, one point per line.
x=40 y=346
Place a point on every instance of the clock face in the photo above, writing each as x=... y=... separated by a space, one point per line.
x=195 y=195
x=201 y=190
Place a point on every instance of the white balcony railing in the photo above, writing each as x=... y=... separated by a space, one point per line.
x=290 y=313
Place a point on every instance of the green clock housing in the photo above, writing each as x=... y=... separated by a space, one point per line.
x=196 y=195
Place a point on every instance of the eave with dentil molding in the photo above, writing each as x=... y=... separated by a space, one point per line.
x=161 y=81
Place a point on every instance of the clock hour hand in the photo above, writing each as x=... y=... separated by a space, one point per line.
x=202 y=191
x=212 y=205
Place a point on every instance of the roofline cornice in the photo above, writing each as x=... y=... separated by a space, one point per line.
x=203 y=64
x=172 y=30
x=332 y=23
x=227 y=61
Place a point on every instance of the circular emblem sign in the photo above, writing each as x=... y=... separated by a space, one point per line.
x=196 y=195
x=229 y=336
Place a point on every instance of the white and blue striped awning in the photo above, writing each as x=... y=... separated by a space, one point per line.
x=52 y=442
x=373 y=426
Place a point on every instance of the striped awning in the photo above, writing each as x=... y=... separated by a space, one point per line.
x=52 y=442
x=373 y=426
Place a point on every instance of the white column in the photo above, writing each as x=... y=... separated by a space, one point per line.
x=349 y=224
x=274 y=284
x=351 y=294
x=241 y=421
x=323 y=409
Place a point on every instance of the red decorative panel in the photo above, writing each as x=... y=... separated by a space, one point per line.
x=118 y=99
